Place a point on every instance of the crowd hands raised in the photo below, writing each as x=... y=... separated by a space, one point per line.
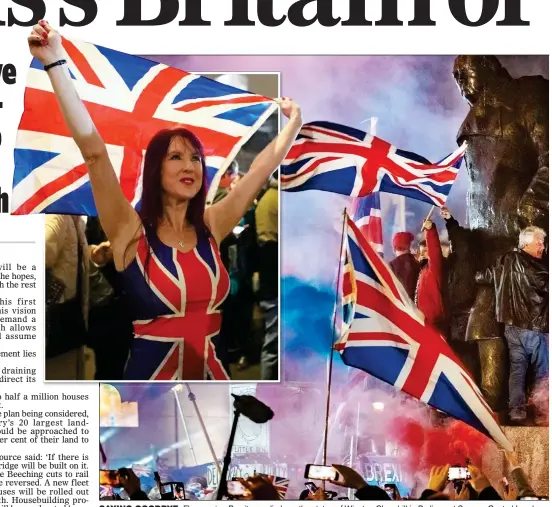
x=441 y=485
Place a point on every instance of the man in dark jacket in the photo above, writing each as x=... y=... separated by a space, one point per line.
x=520 y=279
x=404 y=265
x=461 y=287
x=459 y=293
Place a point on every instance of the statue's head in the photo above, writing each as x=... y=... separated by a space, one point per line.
x=476 y=73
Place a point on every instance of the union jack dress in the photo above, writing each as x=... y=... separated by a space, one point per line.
x=176 y=300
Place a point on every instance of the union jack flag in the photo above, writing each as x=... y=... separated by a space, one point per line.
x=130 y=99
x=344 y=160
x=367 y=217
x=177 y=315
x=385 y=335
x=106 y=491
x=280 y=483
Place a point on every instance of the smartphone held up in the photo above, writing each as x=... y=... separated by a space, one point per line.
x=458 y=474
x=321 y=473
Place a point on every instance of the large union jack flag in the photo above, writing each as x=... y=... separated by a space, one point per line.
x=130 y=99
x=344 y=160
x=385 y=335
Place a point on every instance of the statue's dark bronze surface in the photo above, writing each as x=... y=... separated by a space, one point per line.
x=506 y=131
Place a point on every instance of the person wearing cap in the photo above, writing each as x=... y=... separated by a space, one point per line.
x=404 y=265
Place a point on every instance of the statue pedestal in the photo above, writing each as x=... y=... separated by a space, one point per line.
x=531 y=444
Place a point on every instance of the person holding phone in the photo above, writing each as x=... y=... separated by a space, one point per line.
x=256 y=487
x=440 y=477
x=349 y=478
x=168 y=251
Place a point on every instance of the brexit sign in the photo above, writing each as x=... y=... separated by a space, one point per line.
x=383 y=472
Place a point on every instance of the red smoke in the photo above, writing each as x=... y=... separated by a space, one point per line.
x=410 y=435
x=451 y=444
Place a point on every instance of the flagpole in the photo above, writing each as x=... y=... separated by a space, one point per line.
x=183 y=419
x=428 y=217
x=330 y=368
x=192 y=398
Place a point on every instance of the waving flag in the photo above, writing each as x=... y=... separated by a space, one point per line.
x=384 y=335
x=106 y=491
x=280 y=483
x=130 y=99
x=344 y=160
x=367 y=217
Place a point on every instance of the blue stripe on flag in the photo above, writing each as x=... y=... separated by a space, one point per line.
x=384 y=363
x=35 y=64
x=446 y=398
x=28 y=160
x=366 y=204
x=341 y=181
x=203 y=88
x=131 y=68
x=360 y=262
x=247 y=115
x=358 y=134
x=153 y=351
x=77 y=202
x=294 y=167
x=211 y=173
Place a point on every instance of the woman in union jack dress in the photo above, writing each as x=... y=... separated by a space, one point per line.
x=168 y=252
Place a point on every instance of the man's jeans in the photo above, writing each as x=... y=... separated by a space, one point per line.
x=526 y=348
x=269 y=352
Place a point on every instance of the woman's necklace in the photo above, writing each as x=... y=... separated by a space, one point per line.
x=181 y=243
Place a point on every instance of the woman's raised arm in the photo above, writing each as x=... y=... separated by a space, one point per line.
x=226 y=214
x=119 y=220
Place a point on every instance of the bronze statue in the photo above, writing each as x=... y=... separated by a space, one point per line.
x=507 y=163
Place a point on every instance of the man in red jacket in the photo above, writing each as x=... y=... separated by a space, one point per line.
x=430 y=282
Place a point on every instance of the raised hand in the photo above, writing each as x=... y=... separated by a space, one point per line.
x=478 y=481
x=348 y=478
x=45 y=43
x=319 y=495
x=289 y=108
x=438 y=478
x=445 y=213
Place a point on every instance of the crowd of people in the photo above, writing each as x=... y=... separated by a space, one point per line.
x=442 y=279
x=440 y=486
